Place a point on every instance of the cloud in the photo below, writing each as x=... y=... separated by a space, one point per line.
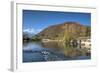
x=32 y=31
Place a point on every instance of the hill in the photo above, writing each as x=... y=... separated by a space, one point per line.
x=72 y=29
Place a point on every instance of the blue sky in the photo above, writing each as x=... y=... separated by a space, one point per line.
x=35 y=21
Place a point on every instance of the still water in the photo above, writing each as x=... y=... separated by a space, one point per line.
x=52 y=51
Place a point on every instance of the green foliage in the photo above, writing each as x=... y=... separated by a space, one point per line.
x=36 y=38
x=88 y=31
x=67 y=38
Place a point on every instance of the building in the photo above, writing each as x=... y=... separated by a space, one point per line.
x=45 y=40
x=84 y=42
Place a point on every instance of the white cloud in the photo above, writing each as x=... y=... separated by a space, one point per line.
x=32 y=31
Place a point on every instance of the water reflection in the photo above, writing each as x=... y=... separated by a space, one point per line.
x=52 y=51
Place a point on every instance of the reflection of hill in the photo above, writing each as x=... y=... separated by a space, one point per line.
x=69 y=51
x=52 y=45
x=73 y=28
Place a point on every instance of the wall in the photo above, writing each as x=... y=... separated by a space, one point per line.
x=5 y=35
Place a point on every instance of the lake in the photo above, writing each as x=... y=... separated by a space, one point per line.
x=52 y=51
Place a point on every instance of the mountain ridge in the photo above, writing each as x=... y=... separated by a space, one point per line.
x=73 y=28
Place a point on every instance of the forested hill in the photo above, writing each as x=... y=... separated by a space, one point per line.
x=73 y=29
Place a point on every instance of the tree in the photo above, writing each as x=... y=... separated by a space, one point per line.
x=88 y=31
x=67 y=38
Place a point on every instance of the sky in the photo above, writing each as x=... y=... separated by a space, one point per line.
x=35 y=21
